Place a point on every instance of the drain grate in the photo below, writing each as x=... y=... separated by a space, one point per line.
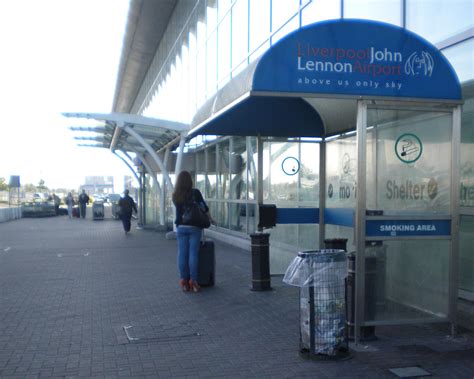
x=409 y=372
x=146 y=332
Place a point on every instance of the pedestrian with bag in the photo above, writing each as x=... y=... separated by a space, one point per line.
x=192 y=215
x=127 y=206
x=83 y=201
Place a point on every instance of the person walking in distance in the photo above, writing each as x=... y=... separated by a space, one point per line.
x=188 y=236
x=83 y=201
x=70 y=203
x=126 y=206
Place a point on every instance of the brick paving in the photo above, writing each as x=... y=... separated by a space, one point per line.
x=78 y=298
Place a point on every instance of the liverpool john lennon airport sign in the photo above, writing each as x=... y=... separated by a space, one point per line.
x=357 y=57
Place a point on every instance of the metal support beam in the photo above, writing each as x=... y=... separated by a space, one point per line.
x=128 y=165
x=360 y=217
x=150 y=151
x=322 y=193
x=259 y=173
x=455 y=221
x=179 y=159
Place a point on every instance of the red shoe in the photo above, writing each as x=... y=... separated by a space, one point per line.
x=194 y=286
x=183 y=284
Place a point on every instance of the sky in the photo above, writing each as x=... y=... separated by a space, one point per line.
x=57 y=56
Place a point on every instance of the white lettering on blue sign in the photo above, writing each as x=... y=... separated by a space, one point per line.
x=408 y=228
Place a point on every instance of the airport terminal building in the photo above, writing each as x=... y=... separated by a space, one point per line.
x=350 y=119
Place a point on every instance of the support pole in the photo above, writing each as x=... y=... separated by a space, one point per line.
x=455 y=221
x=360 y=218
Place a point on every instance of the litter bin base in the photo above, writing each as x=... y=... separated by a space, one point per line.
x=341 y=355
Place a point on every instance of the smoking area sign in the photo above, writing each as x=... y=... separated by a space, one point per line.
x=408 y=228
x=408 y=148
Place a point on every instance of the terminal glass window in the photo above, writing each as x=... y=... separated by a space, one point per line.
x=239 y=32
x=223 y=53
x=282 y=10
x=320 y=10
x=252 y=167
x=259 y=21
x=461 y=56
x=386 y=11
x=437 y=20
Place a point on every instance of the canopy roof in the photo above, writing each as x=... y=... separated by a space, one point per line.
x=111 y=134
x=308 y=83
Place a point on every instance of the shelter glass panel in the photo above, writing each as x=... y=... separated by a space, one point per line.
x=409 y=161
x=386 y=11
x=466 y=257
x=280 y=172
x=406 y=280
x=341 y=173
x=467 y=154
x=309 y=173
x=425 y=17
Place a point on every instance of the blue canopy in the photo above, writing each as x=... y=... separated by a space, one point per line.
x=347 y=58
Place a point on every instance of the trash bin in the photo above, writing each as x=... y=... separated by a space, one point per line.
x=336 y=243
x=98 y=210
x=320 y=275
x=375 y=256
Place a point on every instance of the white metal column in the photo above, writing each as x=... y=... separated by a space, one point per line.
x=360 y=217
x=455 y=221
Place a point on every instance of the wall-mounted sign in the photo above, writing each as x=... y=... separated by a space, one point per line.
x=290 y=166
x=408 y=148
x=407 y=228
x=357 y=57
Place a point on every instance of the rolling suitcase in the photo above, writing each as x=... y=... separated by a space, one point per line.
x=207 y=264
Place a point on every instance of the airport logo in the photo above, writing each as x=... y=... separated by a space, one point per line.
x=419 y=64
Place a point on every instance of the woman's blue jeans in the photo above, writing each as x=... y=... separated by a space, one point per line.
x=189 y=238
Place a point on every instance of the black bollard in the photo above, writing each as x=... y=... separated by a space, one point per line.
x=260 y=262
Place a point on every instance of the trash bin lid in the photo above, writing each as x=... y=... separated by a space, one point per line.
x=323 y=255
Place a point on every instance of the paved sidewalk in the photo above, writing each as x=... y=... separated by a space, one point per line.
x=78 y=298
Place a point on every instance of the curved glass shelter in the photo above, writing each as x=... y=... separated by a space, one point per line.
x=385 y=104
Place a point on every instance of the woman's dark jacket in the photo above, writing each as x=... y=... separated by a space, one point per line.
x=197 y=196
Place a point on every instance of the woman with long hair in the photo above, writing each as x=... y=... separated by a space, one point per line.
x=188 y=236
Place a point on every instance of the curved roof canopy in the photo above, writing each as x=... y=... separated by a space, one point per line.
x=318 y=72
x=111 y=134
